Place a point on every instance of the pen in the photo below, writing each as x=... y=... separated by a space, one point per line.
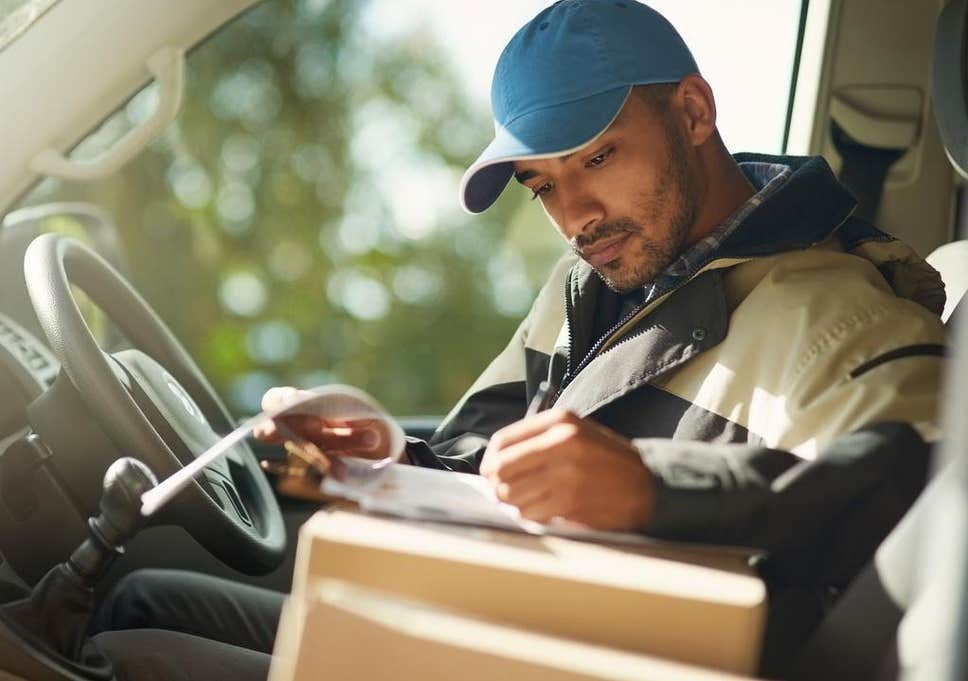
x=541 y=399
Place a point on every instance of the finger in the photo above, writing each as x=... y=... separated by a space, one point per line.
x=353 y=439
x=307 y=455
x=300 y=487
x=526 y=428
x=266 y=432
x=280 y=397
x=544 y=509
x=604 y=434
x=527 y=456
x=487 y=462
x=276 y=467
x=375 y=433
x=524 y=490
x=308 y=427
x=273 y=401
x=535 y=501
x=297 y=426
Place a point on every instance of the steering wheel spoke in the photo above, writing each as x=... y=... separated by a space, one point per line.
x=224 y=493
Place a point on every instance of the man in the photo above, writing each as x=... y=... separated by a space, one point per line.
x=735 y=359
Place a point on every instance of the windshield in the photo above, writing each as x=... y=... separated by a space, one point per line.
x=17 y=15
x=299 y=223
x=744 y=48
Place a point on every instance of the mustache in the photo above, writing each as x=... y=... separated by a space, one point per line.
x=605 y=230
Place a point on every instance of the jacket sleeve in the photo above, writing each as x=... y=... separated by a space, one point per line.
x=819 y=520
x=888 y=367
x=496 y=399
x=799 y=367
x=499 y=396
x=843 y=453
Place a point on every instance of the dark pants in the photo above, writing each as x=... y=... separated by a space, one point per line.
x=170 y=625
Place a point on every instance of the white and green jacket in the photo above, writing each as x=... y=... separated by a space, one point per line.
x=782 y=395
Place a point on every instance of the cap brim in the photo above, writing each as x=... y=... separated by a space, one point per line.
x=544 y=133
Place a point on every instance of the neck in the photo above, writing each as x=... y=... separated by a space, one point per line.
x=723 y=189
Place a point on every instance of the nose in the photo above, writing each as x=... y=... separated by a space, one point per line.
x=580 y=212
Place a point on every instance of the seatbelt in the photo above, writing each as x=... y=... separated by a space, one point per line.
x=864 y=170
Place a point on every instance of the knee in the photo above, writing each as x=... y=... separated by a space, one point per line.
x=131 y=602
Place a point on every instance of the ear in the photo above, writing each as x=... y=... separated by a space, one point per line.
x=698 y=107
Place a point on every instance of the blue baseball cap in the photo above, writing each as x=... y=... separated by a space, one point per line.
x=563 y=79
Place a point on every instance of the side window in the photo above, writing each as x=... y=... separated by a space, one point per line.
x=299 y=224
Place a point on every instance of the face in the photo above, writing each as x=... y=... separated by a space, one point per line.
x=626 y=201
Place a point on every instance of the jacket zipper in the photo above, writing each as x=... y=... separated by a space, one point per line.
x=572 y=370
x=594 y=351
x=569 y=320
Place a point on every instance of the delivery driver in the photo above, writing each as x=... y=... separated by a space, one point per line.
x=733 y=357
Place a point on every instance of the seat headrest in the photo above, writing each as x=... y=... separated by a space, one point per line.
x=950 y=86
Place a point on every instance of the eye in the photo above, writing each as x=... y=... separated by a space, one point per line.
x=540 y=191
x=599 y=159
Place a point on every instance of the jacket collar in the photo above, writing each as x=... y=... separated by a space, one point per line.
x=655 y=344
x=810 y=206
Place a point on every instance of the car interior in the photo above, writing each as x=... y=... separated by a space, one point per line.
x=90 y=373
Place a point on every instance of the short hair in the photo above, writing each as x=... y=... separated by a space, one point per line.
x=656 y=95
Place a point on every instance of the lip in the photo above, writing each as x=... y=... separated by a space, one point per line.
x=606 y=251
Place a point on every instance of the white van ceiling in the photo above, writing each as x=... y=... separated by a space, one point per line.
x=77 y=63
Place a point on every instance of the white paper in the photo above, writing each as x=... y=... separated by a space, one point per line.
x=330 y=402
x=445 y=496
x=413 y=492
x=385 y=486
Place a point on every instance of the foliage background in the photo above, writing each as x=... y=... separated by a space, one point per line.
x=299 y=222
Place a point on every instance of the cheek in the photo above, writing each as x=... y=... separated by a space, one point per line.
x=661 y=198
x=640 y=188
x=551 y=214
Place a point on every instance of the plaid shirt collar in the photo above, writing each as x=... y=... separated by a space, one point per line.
x=766 y=178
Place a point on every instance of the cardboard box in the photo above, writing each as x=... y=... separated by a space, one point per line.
x=350 y=632
x=702 y=607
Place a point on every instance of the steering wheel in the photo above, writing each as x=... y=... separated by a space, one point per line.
x=154 y=403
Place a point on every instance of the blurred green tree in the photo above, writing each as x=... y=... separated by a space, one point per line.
x=299 y=224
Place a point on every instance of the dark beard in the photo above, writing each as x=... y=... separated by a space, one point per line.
x=653 y=256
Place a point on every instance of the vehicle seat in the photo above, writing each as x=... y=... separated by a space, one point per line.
x=901 y=614
x=949 y=93
x=951 y=260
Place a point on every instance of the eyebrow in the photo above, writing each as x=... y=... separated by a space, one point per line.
x=526 y=175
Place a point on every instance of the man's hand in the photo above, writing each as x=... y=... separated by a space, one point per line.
x=557 y=465
x=301 y=473
x=365 y=438
x=311 y=442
